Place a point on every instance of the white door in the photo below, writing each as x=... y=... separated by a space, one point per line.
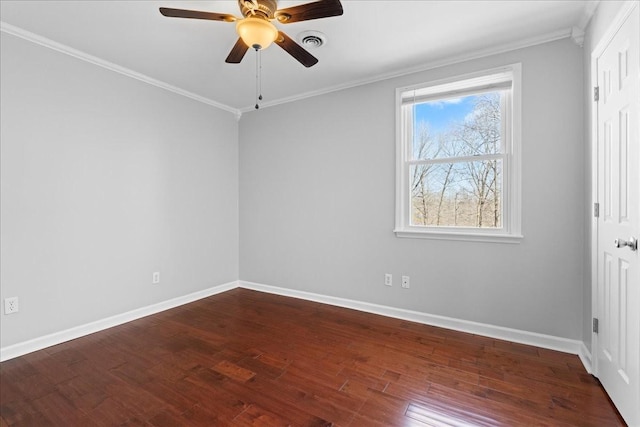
x=617 y=346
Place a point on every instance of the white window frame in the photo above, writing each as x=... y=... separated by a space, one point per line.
x=510 y=232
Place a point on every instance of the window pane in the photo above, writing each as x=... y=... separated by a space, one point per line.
x=455 y=127
x=462 y=194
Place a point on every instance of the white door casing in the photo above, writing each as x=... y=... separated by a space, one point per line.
x=616 y=346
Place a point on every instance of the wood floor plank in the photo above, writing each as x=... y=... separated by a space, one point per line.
x=233 y=371
x=256 y=416
x=247 y=358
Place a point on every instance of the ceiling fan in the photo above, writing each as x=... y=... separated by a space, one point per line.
x=256 y=29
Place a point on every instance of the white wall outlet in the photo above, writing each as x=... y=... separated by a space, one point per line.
x=156 y=277
x=405 y=282
x=388 y=279
x=11 y=305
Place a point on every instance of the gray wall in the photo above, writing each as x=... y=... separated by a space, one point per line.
x=106 y=179
x=317 y=204
x=599 y=24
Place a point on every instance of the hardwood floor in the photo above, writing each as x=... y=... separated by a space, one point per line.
x=253 y=359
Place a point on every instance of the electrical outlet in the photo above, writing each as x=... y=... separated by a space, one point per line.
x=11 y=305
x=405 y=282
x=156 y=278
x=388 y=279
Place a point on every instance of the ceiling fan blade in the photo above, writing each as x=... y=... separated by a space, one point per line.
x=237 y=52
x=306 y=12
x=194 y=14
x=295 y=50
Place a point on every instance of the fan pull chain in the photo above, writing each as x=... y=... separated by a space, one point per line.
x=258 y=77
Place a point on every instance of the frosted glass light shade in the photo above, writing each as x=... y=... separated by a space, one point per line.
x=257 y=33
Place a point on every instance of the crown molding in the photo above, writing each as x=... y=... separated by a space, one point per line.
x=468 y=56
x=578 y=31
x=476 y=54
x=59 y=47
x=577 y=35
x=588 y=11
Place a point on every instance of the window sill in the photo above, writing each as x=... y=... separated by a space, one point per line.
x=467 y=236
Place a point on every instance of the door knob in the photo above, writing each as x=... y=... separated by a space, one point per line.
x=632 y=243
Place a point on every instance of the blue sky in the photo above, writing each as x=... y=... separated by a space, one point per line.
x=440 y=113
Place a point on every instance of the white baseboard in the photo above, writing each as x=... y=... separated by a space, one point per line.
x=514 y=335
x=40 y=343
x=585 y=358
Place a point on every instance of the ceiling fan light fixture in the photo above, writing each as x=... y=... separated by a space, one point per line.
x=257 y=33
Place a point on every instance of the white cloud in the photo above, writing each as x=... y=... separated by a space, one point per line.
x=441 y=103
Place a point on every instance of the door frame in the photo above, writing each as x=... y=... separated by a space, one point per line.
x=631 y=6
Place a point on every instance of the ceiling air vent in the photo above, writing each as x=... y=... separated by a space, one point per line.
x=312 y=39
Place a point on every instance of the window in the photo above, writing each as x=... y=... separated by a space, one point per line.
x=458 y=158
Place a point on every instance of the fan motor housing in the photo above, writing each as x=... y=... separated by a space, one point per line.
x=261 y=8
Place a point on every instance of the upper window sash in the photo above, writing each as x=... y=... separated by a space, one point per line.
x=472 y=86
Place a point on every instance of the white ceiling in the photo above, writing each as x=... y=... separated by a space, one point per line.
x=372 y=40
